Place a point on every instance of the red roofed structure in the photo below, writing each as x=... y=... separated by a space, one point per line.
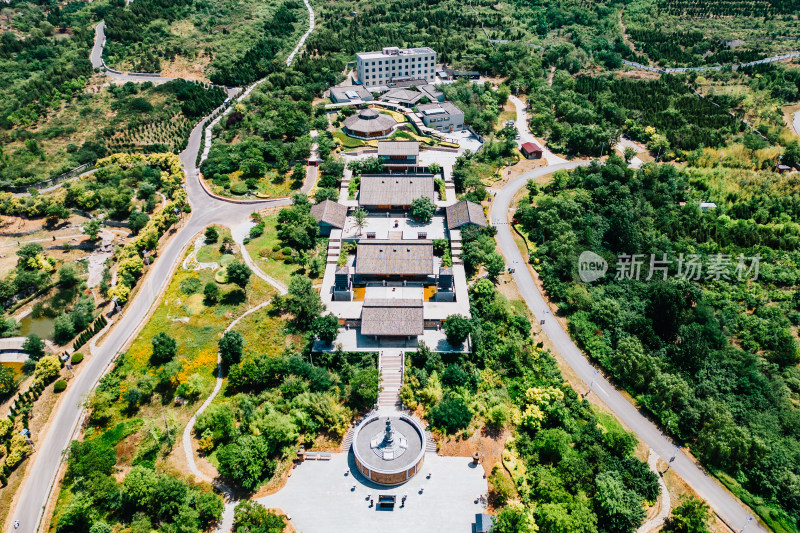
x=531 y=151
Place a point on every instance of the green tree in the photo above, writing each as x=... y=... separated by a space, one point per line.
x=422 y=209
x=137 y=221
x=211 y=235
x=303 y=302
x=34 y=346
x=164 y=348
x=514 y=518
x=690 y=516
x=63 y=329
x=364 y=388
x=618 y=509
x=239 y=273
x=47 y=368
x=360 y=216
x=451 y=414
x=67 y=276
x=92 y=228
x=231 y=346
x=8 y=381
x=495 y=264
x=210 y=293
x=326 y=328
x=246 y=461
x=250 y=517
x=457 y=328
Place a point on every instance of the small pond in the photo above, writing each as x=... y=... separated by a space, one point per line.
x=42 y=326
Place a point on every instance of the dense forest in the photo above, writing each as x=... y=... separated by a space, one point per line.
x=582 y=115
x=713 y=32
x=130 y=117
x=240 y=48
x=574 y=470
x=711 y=353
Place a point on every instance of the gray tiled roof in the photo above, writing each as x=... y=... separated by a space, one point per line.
x=464 y=212
x=369 y=121
x=387 y=189
x=390 y=317
x=394 y=257
x=406 y=96
x=330 y=212
x=404 y=148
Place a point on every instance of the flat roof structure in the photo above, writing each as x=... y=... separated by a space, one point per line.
x=394 y=190
x=394 y=257
x=394 y=51
x=392 y=317
x=439 y=108
x=464 y=212
x=330 y=212
x=398 y=148
x=348 y=94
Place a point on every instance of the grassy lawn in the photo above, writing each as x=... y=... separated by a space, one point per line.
x=261 y=249
x=138 y=431
x=273 y=185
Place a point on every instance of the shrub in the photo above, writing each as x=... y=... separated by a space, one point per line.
x=47 y=368
x=239 y=188
x=76 y=358
x=59 y=386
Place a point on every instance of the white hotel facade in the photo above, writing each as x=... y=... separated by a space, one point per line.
x=376 y=69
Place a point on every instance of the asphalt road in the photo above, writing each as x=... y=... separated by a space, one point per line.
x=733 y=512
x=45 y=461
x=96 y=57
x=206 y=210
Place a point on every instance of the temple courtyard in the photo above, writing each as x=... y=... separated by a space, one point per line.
x=319 y=497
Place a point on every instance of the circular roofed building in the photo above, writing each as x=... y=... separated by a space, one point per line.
x=389 y=449
x=369 y=124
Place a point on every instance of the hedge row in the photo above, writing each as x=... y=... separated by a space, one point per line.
x=90 y=332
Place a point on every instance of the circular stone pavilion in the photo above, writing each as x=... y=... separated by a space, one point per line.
x=369 y=124
x=389 y=449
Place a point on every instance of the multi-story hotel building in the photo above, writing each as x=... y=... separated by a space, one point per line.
x=377 y=69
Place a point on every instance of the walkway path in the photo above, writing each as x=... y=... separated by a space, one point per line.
x=226 y=523
x=727 y=507
x=44 y=464
x=391 y=367
x=733 y=66
x=666 y=504
x=525 y=134
x=796 y=123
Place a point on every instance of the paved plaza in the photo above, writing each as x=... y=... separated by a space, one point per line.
x=319 y=498
x=391 y=225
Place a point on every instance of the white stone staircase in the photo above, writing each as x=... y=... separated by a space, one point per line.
x=391 y=367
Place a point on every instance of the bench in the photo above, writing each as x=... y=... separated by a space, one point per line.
x=325 y=456
x=312 y=456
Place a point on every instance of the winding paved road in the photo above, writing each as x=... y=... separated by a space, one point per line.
x=733 y=66
x=733 y=512
x=206 y=210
